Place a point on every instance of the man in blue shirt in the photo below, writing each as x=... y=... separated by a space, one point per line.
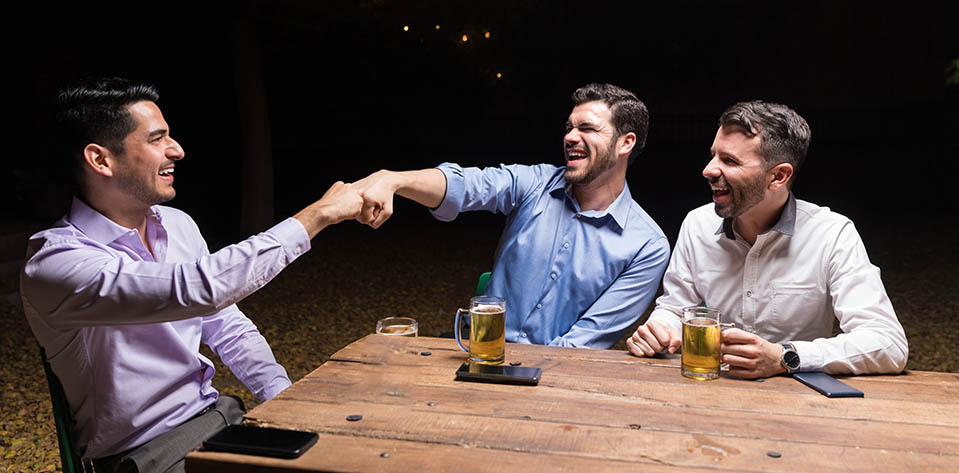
x=579 y=260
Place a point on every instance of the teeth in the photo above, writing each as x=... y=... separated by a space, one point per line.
x=166 y=172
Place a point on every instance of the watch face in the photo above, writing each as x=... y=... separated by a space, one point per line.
x=792 y=359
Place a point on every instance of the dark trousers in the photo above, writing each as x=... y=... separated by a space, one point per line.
x=165 y=453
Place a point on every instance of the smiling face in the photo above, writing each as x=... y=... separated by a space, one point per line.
x=590 y=143
x=736 y=173
x=144 y=170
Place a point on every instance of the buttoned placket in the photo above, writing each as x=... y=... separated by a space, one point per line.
x=562 y=257
x=751 y=282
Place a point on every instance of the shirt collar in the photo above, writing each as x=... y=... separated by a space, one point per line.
x=97 y=226
x=786 y=224
x=618 y=210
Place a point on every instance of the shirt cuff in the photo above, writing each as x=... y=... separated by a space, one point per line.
x=455 y=185
x=667 y=318
x=810 y=356
x=293 y=236
x=272 y=390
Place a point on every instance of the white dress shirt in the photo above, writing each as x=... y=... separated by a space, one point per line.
x=811 y=268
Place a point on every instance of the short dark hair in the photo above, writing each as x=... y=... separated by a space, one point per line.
x=629 y=113
x=783 y=134
x=95 y=110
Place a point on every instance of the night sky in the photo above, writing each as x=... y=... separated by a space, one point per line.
x=348 y=91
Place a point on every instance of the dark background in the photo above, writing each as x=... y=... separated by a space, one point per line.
x=324 y=91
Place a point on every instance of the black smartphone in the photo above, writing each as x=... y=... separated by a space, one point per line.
x=827 y=385
x=498 y=374
x=264 y=441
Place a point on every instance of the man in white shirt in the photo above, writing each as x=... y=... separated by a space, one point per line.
x=781 y=269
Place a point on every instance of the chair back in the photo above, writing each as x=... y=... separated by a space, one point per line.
x=71 y=462
x=481 y=284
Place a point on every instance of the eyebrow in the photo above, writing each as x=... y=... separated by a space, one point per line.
x=157 y=132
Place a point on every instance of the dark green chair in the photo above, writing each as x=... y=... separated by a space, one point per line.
x=481 y=284
x=72 y=463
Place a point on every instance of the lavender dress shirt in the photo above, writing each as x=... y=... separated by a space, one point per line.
x=122 y=327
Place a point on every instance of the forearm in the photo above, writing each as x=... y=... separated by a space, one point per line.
x=426 y=186
x=234 y=338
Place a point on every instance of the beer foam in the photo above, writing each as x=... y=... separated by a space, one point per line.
x=487 y=309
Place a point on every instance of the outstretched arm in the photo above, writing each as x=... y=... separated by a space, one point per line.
x=425 y=186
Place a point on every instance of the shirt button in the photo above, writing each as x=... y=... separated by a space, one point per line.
x=749 y=293
x=565 y=245
x=523 y=334
x=552 y=275
x=297 y=250
x=539 y=306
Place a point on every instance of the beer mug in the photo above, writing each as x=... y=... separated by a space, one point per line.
x=701 y=342
x=487 y=330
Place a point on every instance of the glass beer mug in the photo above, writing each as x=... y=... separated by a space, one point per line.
x=701 y=341
x=487 y=330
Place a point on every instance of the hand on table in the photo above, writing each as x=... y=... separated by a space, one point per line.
x=750 y=356
x=651 y=338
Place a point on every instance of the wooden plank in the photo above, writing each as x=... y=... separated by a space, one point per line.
x=376 y=349
x=640 y=446
x=335 y=453
x=414 y=387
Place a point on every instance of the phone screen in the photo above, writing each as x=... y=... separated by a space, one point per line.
x=498 y=373
x=265 y=441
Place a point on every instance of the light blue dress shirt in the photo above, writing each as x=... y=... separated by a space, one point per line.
x=122 y=327
x=570 y=277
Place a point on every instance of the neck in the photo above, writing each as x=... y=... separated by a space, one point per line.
x=600 y=194
x=122 y=210
x=762 y=216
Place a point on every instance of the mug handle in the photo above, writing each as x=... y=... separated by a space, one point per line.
x=456 y=329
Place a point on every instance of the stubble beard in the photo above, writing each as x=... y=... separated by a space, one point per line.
x=749 y=196
x=603 y=162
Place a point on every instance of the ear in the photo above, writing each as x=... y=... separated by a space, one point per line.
x=781 y=174
x=626 y=143
x=98 y=159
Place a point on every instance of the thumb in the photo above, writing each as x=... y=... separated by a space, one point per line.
x=675 y=341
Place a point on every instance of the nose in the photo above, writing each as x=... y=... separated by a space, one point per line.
x=572 y=137
x=712 y=171
x=174 y=151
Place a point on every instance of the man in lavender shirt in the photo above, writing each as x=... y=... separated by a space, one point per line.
x=122 y=291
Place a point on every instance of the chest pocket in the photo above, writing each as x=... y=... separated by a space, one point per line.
x=789 y=300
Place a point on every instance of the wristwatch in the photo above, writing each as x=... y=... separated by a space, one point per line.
x=790 y=359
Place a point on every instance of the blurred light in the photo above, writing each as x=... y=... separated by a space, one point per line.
x=499 y=75
x=406 y=28
x=486 y=35
x=465 y=38
x=437 y=27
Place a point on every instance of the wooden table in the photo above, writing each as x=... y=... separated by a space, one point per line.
x=595 y=410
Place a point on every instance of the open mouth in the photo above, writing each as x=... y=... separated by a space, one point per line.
x=166 y=173
x=719 y=192
x=576 y=155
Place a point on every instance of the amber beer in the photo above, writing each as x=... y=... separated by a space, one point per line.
x=488 y=334
x=701 y=341
x=397 y=326
x=487 y=330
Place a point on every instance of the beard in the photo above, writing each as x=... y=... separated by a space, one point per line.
x=142 y=188
x=600 y=163
x=743 y=197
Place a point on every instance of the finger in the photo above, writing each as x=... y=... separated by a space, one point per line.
x=740 y=362
x=735 y=335
x=675 y=341
x=368 y=213
x=740 y=350
x=385 y=213
x=661 y=333
x=648 y=339
x=639 y=348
